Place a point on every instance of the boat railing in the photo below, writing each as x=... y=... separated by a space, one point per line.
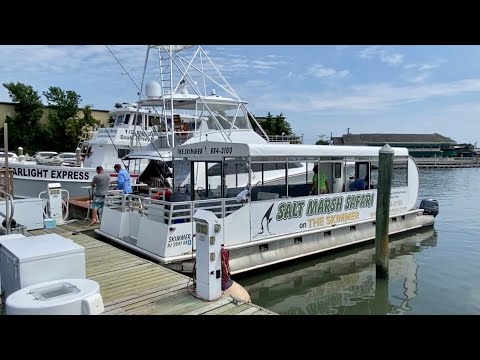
x=170 y=212
x=285 y=139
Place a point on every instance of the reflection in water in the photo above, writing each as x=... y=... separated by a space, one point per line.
x=344 y=283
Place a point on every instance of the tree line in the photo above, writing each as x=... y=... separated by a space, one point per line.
x=64 y=126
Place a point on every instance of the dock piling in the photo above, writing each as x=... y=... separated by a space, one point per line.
x=385 y=169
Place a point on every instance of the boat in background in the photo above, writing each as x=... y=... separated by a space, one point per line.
x=105 y=146
x=197 y=104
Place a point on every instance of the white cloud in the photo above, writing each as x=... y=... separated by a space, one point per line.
x=370 y=98
x=418 y=73
x=422 y=67
x=341 y=47
x=323 y=72
x=382 y=53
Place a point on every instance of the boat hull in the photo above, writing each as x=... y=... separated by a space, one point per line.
x=257 y=254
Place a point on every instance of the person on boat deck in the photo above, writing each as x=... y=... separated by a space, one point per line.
x=319 y=182
x=359 y=184
x=123 y=179
x=100 y=183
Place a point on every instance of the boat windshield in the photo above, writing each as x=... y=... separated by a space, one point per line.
x=181 y=170
x=230 y=119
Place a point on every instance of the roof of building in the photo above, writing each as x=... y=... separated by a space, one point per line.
x=360 y=139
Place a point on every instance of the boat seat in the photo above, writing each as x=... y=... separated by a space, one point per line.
x=261 y=195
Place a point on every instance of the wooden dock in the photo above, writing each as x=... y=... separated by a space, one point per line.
x=131 y=285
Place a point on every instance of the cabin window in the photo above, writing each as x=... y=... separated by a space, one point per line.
x=127 y=119
x=208 y=184
x=338 y=170
x=122 y=153
x=400 y=172
x=241 y=122
x=137 y=120
x=181 y=178
x=214 y=184
x=150 y=121
x=119 y=120
x=236 y=176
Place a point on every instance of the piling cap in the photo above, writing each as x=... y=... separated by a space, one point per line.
x=386 y=149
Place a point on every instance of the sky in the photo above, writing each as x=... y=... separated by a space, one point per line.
x=322 y=90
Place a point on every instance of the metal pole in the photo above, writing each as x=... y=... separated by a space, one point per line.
x=385 y=169
x=7 y=173
x=7 y=177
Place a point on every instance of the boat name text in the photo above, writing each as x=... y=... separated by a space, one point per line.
x=51 y=173
x=198 y=151
x=294 y=209
x=177 y=240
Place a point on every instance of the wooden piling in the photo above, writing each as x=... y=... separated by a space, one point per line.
x=385 y=169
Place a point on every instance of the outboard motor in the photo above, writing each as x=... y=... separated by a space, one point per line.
x=430 y=207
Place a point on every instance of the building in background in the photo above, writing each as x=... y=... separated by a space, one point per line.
x=419 y=145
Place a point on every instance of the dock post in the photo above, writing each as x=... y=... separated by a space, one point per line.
x=385 y=169
x=382 y=306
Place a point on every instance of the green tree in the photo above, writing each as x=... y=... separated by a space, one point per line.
x=281 y=125
x=24 y=128
x=77 y=125
x=268 y=124
x=322 y=140
x=64 y=123
x=276 y=125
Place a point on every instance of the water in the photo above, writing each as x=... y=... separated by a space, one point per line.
x=433 y=271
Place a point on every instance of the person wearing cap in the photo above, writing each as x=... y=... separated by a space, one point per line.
x=123 y=179
x=100 y=184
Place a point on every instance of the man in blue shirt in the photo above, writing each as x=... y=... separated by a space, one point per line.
x=123 y=179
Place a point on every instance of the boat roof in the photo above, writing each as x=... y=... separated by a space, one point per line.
x=210 y=149
x=192 y=102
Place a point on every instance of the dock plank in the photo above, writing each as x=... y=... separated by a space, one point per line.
x=132 y=285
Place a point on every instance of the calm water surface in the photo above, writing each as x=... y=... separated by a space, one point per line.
x=434 y=271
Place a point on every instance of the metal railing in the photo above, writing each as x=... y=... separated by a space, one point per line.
x=286 y=139
x=170 y=212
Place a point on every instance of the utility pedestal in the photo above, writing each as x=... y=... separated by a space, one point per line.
x=208 y=259
x=55 y=202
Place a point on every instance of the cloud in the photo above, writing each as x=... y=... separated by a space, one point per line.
x=323 y=72
x=418 y=73
x=229 y=61
x=421 y=67
x=383 y=54
x=370 y=98
x=341 y=47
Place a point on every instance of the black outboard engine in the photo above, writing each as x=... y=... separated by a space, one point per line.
x=430 y=207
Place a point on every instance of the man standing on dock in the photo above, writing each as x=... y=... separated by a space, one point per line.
x=101 y=182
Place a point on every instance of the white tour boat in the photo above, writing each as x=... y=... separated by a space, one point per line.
x=265 y=224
